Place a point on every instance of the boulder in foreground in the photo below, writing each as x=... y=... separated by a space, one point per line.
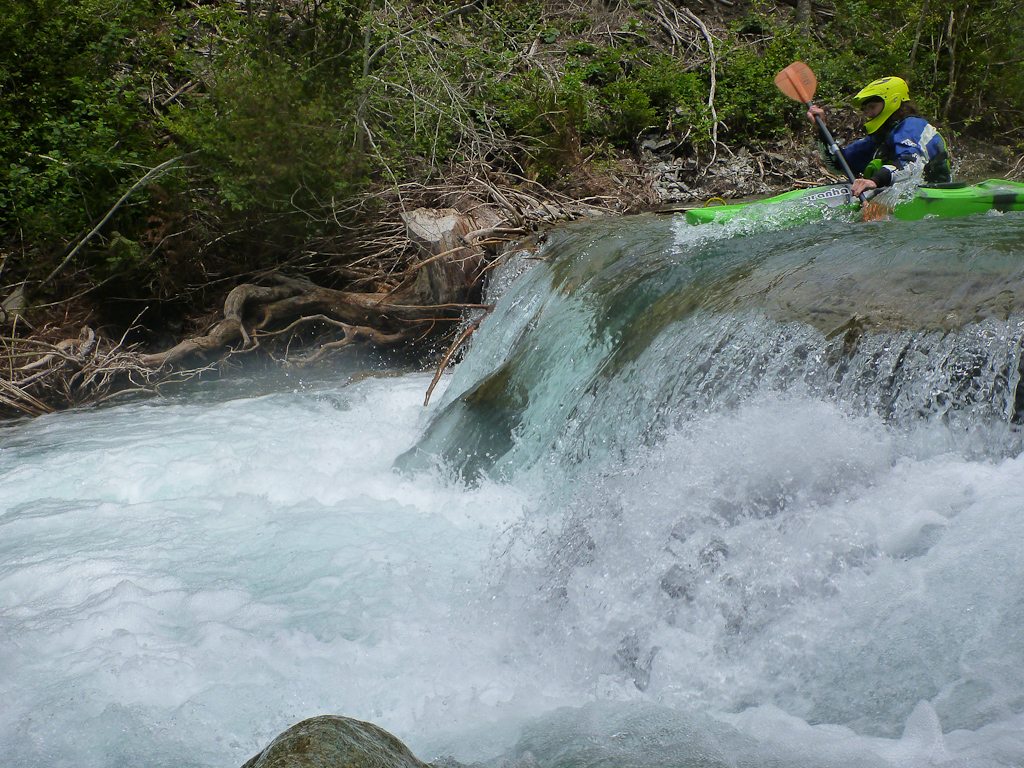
x=331 y=741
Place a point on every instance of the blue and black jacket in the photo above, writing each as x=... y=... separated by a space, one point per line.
x=899 y=147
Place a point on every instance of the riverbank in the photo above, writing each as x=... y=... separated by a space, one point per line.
x=58 y=357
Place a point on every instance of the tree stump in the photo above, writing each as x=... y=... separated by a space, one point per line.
x=451 y=263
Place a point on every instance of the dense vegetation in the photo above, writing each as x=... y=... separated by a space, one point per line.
x=286 y=118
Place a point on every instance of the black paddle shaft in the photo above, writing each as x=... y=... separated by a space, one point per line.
x=833 y=148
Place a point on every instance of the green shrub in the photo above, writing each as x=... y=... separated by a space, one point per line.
x=747 y=100
x=85 y=112
x=301 y=104
x=270 y=139
x=73 y=125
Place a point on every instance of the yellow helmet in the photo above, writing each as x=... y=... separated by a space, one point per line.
x=892 y=91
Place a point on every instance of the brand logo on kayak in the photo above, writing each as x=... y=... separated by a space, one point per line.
x=833 y=195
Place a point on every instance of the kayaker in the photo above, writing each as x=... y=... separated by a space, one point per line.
x=898 y=139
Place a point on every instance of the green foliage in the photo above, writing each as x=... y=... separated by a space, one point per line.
x=268 y=128
x=606 y=95
x=650 y=93
x=580 y=48
x=748 y=102
x=96 y=92
x=678 y=95
x=548 y=118
x=71 y=118
x=294 y=107
x=961 y=59
x=270 y=138
x=123 y=255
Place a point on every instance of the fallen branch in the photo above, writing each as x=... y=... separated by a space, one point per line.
x=711 y=93
x=72 y=372
x=451 y=351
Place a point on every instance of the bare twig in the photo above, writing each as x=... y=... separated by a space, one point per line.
x=451 y=351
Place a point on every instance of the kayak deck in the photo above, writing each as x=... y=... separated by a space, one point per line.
x=805 y=205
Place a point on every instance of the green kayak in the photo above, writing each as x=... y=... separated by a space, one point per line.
x=805 y=205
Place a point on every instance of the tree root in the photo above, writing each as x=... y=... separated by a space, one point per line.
x=74 y=372
x=434 y=289
x=412 y=273
x=352 y=334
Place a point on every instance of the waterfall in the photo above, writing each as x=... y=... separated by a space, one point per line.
x=635 y=329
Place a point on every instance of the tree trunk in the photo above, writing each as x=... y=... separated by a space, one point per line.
x=803 y=14
x=451 y=263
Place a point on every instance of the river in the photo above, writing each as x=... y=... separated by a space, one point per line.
x=716 y=496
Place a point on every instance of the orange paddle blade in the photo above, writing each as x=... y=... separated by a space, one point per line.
x=797 y=81
x=874 y=211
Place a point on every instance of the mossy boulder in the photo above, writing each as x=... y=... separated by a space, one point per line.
x=331 y=741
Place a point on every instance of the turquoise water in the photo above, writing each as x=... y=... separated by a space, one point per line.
x=692 y=499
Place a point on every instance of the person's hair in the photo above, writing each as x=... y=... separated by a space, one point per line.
x=907 y=109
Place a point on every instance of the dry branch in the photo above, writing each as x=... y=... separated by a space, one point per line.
x=466 y=333
x=409 y=274
x=73 y=372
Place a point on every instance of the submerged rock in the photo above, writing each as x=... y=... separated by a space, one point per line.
x=331 y=741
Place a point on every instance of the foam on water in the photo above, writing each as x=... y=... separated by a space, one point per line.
x=180 y=583
x=810 y=578
x=207 y=575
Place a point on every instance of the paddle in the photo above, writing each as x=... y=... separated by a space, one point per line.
x=799 y=83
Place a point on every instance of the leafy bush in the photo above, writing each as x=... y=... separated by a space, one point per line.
x=298 y=105
x=72 y=121
x=270 y=138
x=748 y=102
x=961 y=59
x=96 y=92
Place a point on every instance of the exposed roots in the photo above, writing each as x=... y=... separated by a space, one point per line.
x=295 y=314
x=411 y=270
x=43 y=377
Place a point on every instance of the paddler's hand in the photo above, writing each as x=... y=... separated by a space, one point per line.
x=860 y=186
x=814 y=113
